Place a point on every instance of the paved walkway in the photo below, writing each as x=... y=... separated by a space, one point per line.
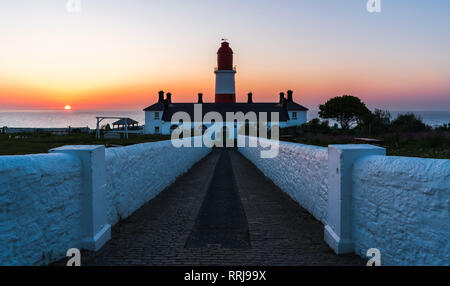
x=224 y=211
x=221 y=221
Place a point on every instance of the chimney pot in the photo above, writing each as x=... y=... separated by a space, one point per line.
x=169 y=97
x=250 y=97
x=289 y=95
x=200 y=97
x=161 y=96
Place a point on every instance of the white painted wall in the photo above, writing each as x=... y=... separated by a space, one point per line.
x=399 y=205
x=299 y=170
x=301 y=118
x=137 y=173
x=402 y=207
x=40 y=207
x=225 y=82
x=41 y=197
x=151 y=122
x=165 y=126
x=341 y=159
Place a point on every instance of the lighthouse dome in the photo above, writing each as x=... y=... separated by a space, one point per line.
x=225 y=57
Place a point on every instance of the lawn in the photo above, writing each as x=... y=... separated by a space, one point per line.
x=32 y=143
x=425 y=144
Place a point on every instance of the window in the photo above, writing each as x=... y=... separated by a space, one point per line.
x=294 y=115
x=157 y=129
x=156 y=115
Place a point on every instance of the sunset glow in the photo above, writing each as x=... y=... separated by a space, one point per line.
x=67 y=107
x=119 y=54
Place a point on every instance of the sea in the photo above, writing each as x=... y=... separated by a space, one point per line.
x=87 y=118
x=432 y=118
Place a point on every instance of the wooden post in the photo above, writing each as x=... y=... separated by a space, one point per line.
x=98 y=129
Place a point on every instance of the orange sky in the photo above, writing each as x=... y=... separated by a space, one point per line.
x=118 y=56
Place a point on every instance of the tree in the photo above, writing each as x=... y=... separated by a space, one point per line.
x=345 y=109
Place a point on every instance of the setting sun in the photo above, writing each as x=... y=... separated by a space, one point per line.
x=67 y=107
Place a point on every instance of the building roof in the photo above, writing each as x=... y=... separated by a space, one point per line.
x=223 y=108
x=124 y=121
x=159 y=106
x=292 y=106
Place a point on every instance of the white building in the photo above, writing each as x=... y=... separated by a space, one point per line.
x=158 y=116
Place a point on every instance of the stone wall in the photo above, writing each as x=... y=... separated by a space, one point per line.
x=401 y=206
x=43 y=197
x=299 y=170
x=137 y=173
x=40 y=206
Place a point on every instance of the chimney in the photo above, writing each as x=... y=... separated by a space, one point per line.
x=284 y=103
x=250 y=97
x=289 y=95
x=200 y=97
x=169 y=97
x=281 y=97
x=161 y=96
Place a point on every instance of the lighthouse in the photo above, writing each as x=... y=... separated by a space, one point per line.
x=225 y=73
x=158 y=117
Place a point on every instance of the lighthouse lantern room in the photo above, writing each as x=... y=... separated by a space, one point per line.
x=225 y=73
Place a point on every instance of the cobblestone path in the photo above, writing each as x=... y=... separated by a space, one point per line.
x=221 y=221
x=179 y=227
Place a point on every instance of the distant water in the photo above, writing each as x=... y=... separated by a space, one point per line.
x=432 y=118
x=60 y=119
x=74 y=118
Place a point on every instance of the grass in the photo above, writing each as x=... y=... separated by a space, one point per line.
x=32 y=143
x=431 y=144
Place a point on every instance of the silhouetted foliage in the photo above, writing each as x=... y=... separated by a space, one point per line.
x=443 y=127
x=409 y=123
x=346 y=110
x=407 y=135
x=316 y=126
x=376 y=123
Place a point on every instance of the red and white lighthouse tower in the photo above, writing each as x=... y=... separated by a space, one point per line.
x=225 y=72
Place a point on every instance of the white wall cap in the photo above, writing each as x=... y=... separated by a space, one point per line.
x=77 y=148
x=355 y=146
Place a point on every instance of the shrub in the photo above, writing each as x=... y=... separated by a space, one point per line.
x=443 y=127
x=316 y=126
x=409 y=123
